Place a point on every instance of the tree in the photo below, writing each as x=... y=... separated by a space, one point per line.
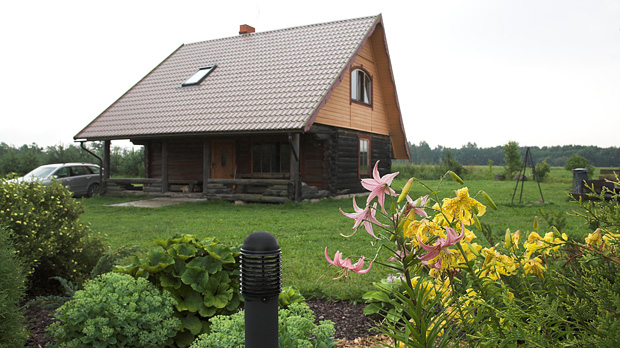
x=512 y=156
x=577 y=161
x=449 y=163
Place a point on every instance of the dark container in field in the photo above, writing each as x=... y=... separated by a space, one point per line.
x=579 y=176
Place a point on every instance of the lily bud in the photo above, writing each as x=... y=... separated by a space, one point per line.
x=477 y=222
x=473 y=249
x=488 y=199
x=535 y=222
x=456 y=177
x=508 y=239
x=405 y=191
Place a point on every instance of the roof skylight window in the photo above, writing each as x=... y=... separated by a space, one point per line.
x=199 y=75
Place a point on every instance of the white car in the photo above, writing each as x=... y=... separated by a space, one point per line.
x=82 y=178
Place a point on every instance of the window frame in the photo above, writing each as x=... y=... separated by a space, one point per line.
x=278 y=147
x=199 y=75
x=369 y=79
x=368 y=139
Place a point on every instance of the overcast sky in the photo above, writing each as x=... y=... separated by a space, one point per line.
x=539 y=72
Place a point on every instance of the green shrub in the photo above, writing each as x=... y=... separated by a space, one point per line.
x=448 y=163
x=541 y=170
x=116 y=310
x=512 y=157
x=201 y=275
x=50 y=239
x=12 y=277
x=577 y=161
x=296 y=329
x=420 y=171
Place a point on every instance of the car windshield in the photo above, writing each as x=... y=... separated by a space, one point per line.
x=41 y=172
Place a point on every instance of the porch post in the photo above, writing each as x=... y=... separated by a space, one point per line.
x=106 y=159
x=164 y=166
x=206 y=164
x=294 y=142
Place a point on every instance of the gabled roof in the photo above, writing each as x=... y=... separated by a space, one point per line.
x=265 y=81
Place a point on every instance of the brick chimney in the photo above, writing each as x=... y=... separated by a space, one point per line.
x=246 y=29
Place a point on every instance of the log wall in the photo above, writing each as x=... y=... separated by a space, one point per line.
x=184 y=159
x=341 y=158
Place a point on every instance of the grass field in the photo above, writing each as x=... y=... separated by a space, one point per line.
x=305 y=229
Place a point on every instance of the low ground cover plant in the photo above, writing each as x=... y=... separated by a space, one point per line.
x=202 y=275
x=296 y=329
x=533 y=287
x=116 y=310
x=47 y=233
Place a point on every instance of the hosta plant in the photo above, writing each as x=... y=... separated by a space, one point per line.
x=116 y=310
x=202 y=275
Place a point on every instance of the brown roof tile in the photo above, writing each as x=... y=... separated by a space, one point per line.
x=263 y=81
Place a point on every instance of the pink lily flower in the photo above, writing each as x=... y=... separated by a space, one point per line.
x=379 y=186
x=441 y=246
x=415 y=205
x=346 y=264
x=364 y=216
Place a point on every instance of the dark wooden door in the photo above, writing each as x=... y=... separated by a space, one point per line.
x=223 y=161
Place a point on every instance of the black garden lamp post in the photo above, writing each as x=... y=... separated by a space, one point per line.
x=260 y=287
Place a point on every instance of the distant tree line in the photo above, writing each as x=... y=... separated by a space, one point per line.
x=124 y=162
x=555 y=156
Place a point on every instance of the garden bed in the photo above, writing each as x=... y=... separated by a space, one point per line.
x=353 y=328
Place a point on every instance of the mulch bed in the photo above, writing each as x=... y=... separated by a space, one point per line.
x=38 y=319
x=353 y=328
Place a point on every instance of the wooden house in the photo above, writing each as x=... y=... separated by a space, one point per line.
x=264 y=116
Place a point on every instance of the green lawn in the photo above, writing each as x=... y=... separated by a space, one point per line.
x=305 y=229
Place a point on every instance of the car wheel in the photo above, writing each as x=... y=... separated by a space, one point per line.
x=93 y=189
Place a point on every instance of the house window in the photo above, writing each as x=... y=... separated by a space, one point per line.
x=361 y=87
x=271 y=157
x=364 y=157
x=199 y=75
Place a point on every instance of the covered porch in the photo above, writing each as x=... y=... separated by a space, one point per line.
x=219 y=168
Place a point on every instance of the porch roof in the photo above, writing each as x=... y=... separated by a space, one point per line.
x=265 y=81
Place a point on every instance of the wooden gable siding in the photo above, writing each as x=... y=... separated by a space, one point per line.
x=340 y=111
x=390 y=102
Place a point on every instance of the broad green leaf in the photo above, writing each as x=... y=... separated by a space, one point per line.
x=205 y=263
x=221 y=253
x=218 y=293
x=372 y=308
x=182 y=251
x=169 y=281
x=206 y=312
x=196 y=278
x=184 y=338
x=165 y=243
x=377 y=296
x=234 y=303
x=191 y=302
x=158 y=259
x=192 y=323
